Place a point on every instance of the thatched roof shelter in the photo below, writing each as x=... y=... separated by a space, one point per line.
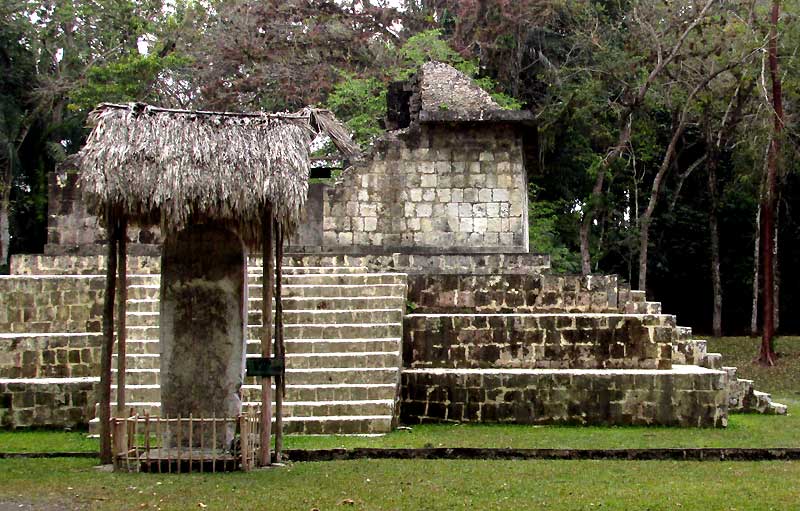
x=176 y=167
x=248 y=171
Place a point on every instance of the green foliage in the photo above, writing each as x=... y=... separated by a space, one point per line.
x=130 y=78
x=361 y=103
x=544 y=218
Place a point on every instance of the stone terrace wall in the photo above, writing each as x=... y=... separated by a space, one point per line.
x=521 y=293
x=49 y=356
x=72 y=229
x=666 y=398
x=47 y=403
x=438 y=188
x=37 y=264
x=557 y=341
x=445 y=264
x=51 y=303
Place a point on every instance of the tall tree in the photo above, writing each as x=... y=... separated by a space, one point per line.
x=767 y=354
x=16 y=74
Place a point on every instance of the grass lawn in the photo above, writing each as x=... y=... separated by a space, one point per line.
x=420 y=484
x=63 y=483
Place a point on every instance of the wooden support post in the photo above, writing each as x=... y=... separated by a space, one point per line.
x=122 y=289
x=268 y=266
x=280 y=383
x=108 y=340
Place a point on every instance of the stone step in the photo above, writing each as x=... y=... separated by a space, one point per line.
x=326 y=425
x=152 y=346
x=642 y=308
x=691 y=351
x=390 y=301
x=684 y=333
x=333 y=345
x=777 y=409
x=321 y=392
x=298 y=303
x=739 y=393
x=637 y=296
x=712 y=361
x=335 y=331
x=142 y=346
x=306 y=289
x=344 y=375
x=336 y=290
x=290 y=408
x=143 y=291
x=292 y=317
x=256 y=272
x=293 y=360
x=301 y=331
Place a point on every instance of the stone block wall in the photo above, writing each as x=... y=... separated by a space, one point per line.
x=436 y=188
x=71 y=228
x=49 y=356
x=38 y=264
x=47 y=403
x=51 y=303
x=666 y=398
x=558 y=341
x=521 y=293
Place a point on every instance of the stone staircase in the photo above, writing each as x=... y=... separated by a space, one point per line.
x=343 y=333
x=743 y=397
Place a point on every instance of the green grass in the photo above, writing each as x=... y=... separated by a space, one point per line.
x=742 y=431
x=419 y=484
x=46 y=441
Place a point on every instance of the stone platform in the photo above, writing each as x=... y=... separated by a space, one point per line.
x=681 y=396
x=500 y=318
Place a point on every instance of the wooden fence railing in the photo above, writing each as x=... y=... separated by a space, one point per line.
x=185 y=444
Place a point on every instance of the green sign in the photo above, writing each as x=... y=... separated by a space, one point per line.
x=274 y=366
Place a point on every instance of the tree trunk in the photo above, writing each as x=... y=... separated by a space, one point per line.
x=776 y=272
x=108 y=341
x=756 y=274
x=713 y=225
x=5 y=237
x=280 y=381
x=647 y=216
x=679 y=127
x=767 y=355
x=267 y=287
x=5 y=205
x=122 y=306
x=590 y=209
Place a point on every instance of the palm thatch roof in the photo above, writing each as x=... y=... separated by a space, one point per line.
x=178 y=167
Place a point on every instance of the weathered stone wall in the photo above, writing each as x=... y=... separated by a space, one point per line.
x=38 y=264
x=51 y=303
x=58 y=403
x=680 y=397
x=49 y=356
x=451 y=263
x=72 y=229
x=437 y=188
x=452 y=293
x=557 y=341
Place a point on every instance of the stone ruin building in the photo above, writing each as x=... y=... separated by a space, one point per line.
x=411 y=295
